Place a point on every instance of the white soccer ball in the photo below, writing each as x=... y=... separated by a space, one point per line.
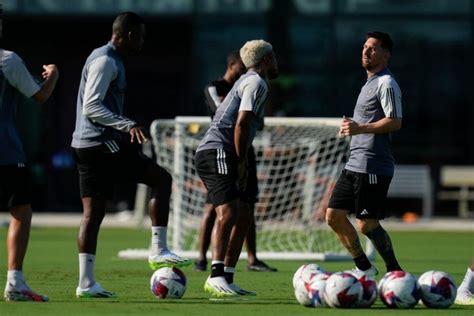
x=399 y=289
x=437 y=289
x=343 y=290
x=306 y=272
x=369 y=288
x=168 y=283
x=311 y=293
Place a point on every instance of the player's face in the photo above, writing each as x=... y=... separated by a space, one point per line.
x=272 y=66
x=373 y=54
x=136 y=40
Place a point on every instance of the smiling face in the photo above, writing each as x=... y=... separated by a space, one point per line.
x=374 y=56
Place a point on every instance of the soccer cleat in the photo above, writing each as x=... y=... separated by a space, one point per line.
x=241 y=291
x=28 y=295
x=260 y=266
x=167 y=259
x=464 y=298
x=372 y=271
x=218 y=287
x=95 y=291
x=200 y=265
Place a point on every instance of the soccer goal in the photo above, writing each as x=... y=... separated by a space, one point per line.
x=298 y=162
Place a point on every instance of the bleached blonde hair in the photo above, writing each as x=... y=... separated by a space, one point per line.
x=253 y=51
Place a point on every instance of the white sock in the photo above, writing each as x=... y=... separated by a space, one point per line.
x=158 y=239
x=16 y=281
x=86 y=270
x=468 y=281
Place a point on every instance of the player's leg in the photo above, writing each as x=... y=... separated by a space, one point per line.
x=253 y=264
x=153 y=175
x=340 y=205
x=218 y=171
x=370 y=203
x=205 y=232
x=95 y=166
x=237 y=236
x=15 y=197
x=465 y=292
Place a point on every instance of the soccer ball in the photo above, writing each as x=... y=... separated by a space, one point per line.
x=312 y=294
x=399 y=289
x=343 y=290
x=437 y=289
x=306 y=272
x=369 y=287
x=168 y=283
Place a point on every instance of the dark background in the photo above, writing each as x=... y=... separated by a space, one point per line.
x=318 y=45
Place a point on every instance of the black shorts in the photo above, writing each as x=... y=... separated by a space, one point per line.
x=361 y=193
x=15 y=186
x=100 y=169
x=252 y=181
x=218 y=170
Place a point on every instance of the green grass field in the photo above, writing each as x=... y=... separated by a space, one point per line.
x=52 y=268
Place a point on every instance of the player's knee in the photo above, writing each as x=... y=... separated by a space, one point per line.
x=21 y=212
x=334 y=217
x=367 y=225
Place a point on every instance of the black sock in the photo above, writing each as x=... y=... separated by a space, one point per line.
x=217 y=270
x=362 y=262
x=383 y=244
x=229 y=277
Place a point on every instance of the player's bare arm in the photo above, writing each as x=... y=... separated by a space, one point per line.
x=385 y=125
x=241 y=139
x=50 y=76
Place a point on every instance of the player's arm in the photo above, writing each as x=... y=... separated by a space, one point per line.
x=50 y=76
x=241 y=142
x=390 y=98
x=213 y=100
x=19 y=77
x=101 y=72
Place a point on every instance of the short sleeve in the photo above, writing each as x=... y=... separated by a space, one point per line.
x=253 y=92
x=390 y=97
x=17 y=75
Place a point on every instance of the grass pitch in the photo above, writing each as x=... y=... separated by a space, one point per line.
x=51 y=267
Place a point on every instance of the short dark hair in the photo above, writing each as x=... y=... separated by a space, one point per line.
x=126 y=22
x=384 y=38
x=233 y=57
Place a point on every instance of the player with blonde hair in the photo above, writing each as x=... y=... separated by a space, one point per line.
x=222 y=164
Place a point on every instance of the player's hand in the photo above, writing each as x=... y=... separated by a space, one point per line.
x=137 y=133
x=349 y=127
x=50 y=71
x=243 y=174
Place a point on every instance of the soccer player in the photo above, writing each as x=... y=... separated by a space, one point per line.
x=222 y=163
x=362 y=187
x=215 y=93
x=466 y=289
x=15 y=186
x=106 y=152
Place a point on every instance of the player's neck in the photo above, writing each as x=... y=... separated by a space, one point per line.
x=259 y=71
x=372 y=72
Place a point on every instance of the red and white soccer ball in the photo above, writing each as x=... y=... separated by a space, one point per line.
x=343 y=290
x=399 y=289
x=369 y=288
x=311 y=293
x=168 y=283
x=306 y=273
x=437 y=289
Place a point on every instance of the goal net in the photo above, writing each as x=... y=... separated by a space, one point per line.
x=298 y=162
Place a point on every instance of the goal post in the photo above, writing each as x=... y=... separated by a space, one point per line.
x=298 y=162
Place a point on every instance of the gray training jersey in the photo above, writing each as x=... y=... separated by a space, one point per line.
x=99 y=108
x=15 y=81
x=249 y=93
x=380 y=97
